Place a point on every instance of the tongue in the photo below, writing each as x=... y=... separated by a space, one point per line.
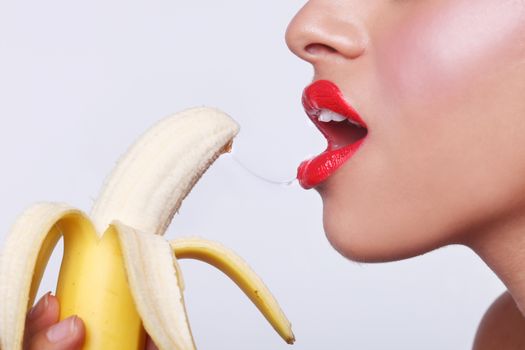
x=340 y=134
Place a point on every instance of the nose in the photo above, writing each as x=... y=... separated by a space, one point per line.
x=324 y=29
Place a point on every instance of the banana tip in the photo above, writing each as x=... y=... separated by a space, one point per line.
x=228 y=147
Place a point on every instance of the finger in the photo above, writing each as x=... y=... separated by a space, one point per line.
x=42 y=315
x=68 y=334
x=150 y=345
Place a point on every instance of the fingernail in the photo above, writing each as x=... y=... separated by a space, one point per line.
x=40 y=307
x=62 y=330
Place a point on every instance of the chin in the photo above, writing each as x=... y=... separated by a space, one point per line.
x=353 y=244
x=363 y=237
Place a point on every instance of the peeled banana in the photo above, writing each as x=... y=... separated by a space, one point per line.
x=118 y=273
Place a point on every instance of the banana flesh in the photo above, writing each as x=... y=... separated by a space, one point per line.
x=118 y=273
x=149 y=183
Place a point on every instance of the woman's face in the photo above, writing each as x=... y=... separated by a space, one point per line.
x=440 y=85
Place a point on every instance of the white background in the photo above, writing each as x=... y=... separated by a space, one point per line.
x=79 y=81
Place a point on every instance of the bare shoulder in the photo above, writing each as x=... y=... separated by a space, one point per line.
x=502 y=326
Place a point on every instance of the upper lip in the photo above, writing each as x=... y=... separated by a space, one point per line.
x=323 y=94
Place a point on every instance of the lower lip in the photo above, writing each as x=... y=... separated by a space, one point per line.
x=314 y=171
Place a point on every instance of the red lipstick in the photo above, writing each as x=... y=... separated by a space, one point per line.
x=339 y=122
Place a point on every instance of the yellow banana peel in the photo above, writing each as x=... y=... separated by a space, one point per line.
x=118 y=273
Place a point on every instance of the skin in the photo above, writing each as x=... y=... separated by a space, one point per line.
x=440 y=84
x=44 y=316
x=39 y=321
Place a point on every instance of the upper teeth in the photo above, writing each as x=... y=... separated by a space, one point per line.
x=327 y=115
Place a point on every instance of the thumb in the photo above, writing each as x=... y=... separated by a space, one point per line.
x=68 y=334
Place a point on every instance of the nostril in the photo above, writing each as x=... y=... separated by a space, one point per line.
x=319 y=49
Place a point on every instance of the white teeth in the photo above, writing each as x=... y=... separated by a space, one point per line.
x=327 y=115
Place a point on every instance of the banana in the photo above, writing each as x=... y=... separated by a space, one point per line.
x=118 y=273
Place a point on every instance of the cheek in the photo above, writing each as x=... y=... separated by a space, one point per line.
x=439 y=47
x=421 y=183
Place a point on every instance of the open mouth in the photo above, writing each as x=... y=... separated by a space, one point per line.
x=340 y=124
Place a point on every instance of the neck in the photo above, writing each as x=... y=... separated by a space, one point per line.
x=503 y=250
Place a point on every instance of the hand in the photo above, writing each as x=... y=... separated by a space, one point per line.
x=44 y=333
